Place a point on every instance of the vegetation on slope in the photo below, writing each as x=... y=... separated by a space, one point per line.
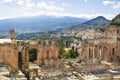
x=116 y=21
x=65 y=42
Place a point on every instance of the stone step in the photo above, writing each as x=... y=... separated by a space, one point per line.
x=20 y=74
x=4 y=78
x=33 y=66
x=21 y=78
x=4 y=71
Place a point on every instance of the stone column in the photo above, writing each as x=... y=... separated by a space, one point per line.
x=100 y=51
x=82 y=54
x=88 y=53
x=39 y=59
x=27 y=57
x=93 y=54
x=79 y=53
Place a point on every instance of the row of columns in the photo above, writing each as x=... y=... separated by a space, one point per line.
x=92 y=52
x=98 y=53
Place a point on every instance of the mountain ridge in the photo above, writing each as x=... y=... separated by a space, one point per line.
x=38 y=23
x=99 y=21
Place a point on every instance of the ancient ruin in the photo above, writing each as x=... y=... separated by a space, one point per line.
x=16 y=53
x=99 y=58
x=101 y=55
x=105 y=47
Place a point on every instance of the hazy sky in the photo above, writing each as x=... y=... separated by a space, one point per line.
x=75 y=8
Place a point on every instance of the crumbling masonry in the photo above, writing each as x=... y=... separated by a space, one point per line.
x=102 y=48
x=16 y=54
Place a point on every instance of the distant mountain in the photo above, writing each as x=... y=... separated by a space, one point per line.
x=38 y=23
x=116 y=21
x=99 y=21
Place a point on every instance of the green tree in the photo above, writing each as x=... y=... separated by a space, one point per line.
x=70 y=54
x=61 y=50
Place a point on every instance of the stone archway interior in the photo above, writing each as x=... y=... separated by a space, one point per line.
x=20 y=60
x=113 y=51
x=106 y=54
x=32 y=55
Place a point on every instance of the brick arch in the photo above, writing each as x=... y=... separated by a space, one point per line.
x=90 y=53
x=114 y=55
x=40 y=55
x=113 y=51
x=20 y=60
x=47 y=54
x=33 y=52
x=106 y=53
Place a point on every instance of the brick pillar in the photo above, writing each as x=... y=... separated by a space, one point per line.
x=26 y=58
x=93 y=54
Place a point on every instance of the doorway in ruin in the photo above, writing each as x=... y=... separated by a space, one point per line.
x=47 y=54
x=113 y=51
x=33 y=55
x=20 y=60
x=113 y=54
x=106 y=54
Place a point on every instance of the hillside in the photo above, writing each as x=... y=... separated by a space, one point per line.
x=116 y=21
x=38 y=23
x=99 y=21
x=96 y=22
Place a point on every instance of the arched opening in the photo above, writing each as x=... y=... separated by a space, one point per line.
x=90 y=54
x=106 y=54
x=20 y=60
x=113 y=54
x=100 y=52
x=113 y=51
x=47 y=54
x=32 y=55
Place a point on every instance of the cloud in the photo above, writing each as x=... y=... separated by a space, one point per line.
x=26 y=4
x=115 y=5
x=48 y=6
x=6 y=1
x=106 y=3
x=93 y=15
x=81 y=15
x=28 y=1
x=63 y=4
x=31 y=8
x=30 y=5
x=51 y=3
x=85 y=0
x=27 y=13
x=20 y=2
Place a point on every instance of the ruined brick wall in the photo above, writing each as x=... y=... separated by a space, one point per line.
x=23 y=51
x=17 y=55
x=9 y=54
x=90 y=54
x=106 y=53
x=106 y=48
x=13 y=55
x=47 y=52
